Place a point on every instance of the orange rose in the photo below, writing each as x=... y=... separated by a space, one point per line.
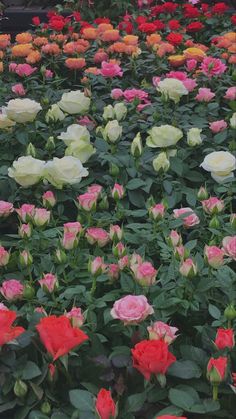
x=24 y=38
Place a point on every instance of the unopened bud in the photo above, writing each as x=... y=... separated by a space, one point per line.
x=20 y=388
x=30 y=150
x=214 y=222
x=202 y=193
x=50 y=144
x=230 y=312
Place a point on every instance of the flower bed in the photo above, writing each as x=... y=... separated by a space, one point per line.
x=117 y=231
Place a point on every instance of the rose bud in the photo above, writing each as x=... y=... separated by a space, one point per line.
x=202 y=193
x=216 y=369
x=214 y=256
x=135 y=260
x=50 y=144
x=233 y=220
x=12 y=289
x=190 y=220
x=97 y=266
x=45 y=408
x=29 y=292
x=163 y=331
x=49 y=199
x=25 y=231
x=157 y=212
x=26 y=212
x=117 y=192
x=174 y=238
x=40 y=310
x=76 y=316
x=230 y=312
x=6 y=208
x=31 y=150
x=20 y=388
x=74 y=227
x=60 y=256
x=119 y=250
x=105 y=406
x=97 y=235
x=4 y=256
x=113 y=271
x=25 y=258
x=69 y=240
x=115 y=233
x=49 y=283
x=136 y=148
x=214 y=222
x=145 y=274
x=113 y=169
x=41 y=217
x=224 y=338
x=88 y=201
x=188 y=268
x=123 y=262
x=180 y=252
x=213 y=205
x=103 y=204
x=95 y=189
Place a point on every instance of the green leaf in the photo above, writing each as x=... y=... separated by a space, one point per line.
x=181 y=399
x=135 y=402
x=214 y=311
x=170 y=410
x=135 y=184
x=185 y=369
x=82 y=400
x=31 y=370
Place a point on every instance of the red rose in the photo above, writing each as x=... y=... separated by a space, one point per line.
x=216 y=369
x=147 y=28
x=224 y=338
x=102 y=20
x=77 y=16
x=169 y=7
x=57 y=22
x=8 y=332
x=173 y=24
x=157 y=10
x=152 y=357
x=204 y=7
x=140 y=19
x=219 y=8
x=194 y=27
x=159 y=24
x=105 y=405
x=174 y=38
x=191 y=11
x=126 y=26
x=58 y=335
x=233 y=19
x=36 y=21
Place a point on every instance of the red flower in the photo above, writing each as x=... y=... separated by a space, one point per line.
x=147 y=28
x=219 y=8
x=194 y=27
x=159 y=24
x=233 y=19
x=174 y=38
x=204 y=7
x=157 y=10
x=152 y=357
x=191 y=11
x=36 y=21
x=224 y=338
x=216 y=369
x=57 y=22
x=102 y=20
x=8 y=332
x=126 y=27
x=58 y=335
x=77 y=16
x=169 y=7
x=105 y=405
x=173 y=24
x=140 y=19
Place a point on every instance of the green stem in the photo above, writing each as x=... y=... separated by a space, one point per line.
x=215 y=392
x=94 y=285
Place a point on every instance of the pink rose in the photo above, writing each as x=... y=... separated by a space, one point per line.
x=116 y=94
x=162 y=331
x=156 y=80
x=110 y=70
x=213 y=205
x=25 y=70
x=97 y=266
x=212 y=67
x=115 y=233
x=188 y=268
x=12 y=289
x=179 y=252
x=119 y=250
x=190 y=220
x=117 y=192
x=113 y=271
x=26 y=212
x=191 y=65
x=70 y=240
x=123 y=262
x=18 y=89
x=3 y=307
x=174 y=238
x=100 y=56
x=76 y=316
x=218 y=126
x=12 y=67
x=135 y=260
x=179 y=75
x=88 y=201
x=48 y=74
x=97 y=235
x=4 y=256
x=95 y=189
x=230 y=93
x=49 y=283
x=25 y=231
x=85 y=121
x=131 y=309
x=6 y=208
x=132 y=94
x=204 y=95
x=40 y=310
x=157 y=212
x=144 y=274
x=49 y=199
x=41 y=217
x=74 y=227
x=214 y=256
x=229 y=246
x=190 y=84
x=26 y=258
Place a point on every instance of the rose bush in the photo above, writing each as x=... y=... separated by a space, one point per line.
x=117 y=218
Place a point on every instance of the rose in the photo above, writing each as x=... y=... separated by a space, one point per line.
x=229 y=246
x=41 y=217
x=69 y=240
x=12 y=289
x=119 y=250
x=212 y=67
x=87 y=201
x=161 y=162
x=194 y=137
x=216 y=369
x=152 y=357
x=25 y=231
x=233 y=121
x=26 y=212
x=188 y=268
x=22 y=110
x=97 y=266
x=27 y=170
x=74 y=227
x=162 y=331
x=214 y=256
x=136 y=148
x=180 y=252
x=81 y=150
x=115 y=233
x=76 y=316
x=172 y=89
x=25 y=258
x=230 y=93
x=5 y=122
x=123 y=262
x=131 y=309
x=105 y=405
x=174 y=238
x=95 y=189
x=75 y=133
x=108 y=112
x=54 y=114
x=224 y=338
x=18 y=89
x=204 y=95
x=120 y=111
x=113 y=271
x=218 y=126
x=74 y=102
x=157 y=211
x=110 y=70
x=117 y=192
x=220 y=164
x=190 y=220
x=67 y=170
x=4 y=256
x=144 y=274
x=49 y=199
x=96 y=235
x=213 y=205
x=6 y=208
x=8 y=332
x=49 y=283
x=163 y=136
x=112 y=131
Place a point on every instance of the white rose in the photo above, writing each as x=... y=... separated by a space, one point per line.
x=172 y=89
x=67 y=170
x=194 y=137
x=233 y=121
x=5 y=122
x=112 y=131
x=120 y=111
x=108 y=112
x=74 y=102
x=75 y=133
x=27 y=170
x=54 y=114
x=81 y=150
x=219 y=162
x=22 y=110
x=163 y=136
x=161 y=162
